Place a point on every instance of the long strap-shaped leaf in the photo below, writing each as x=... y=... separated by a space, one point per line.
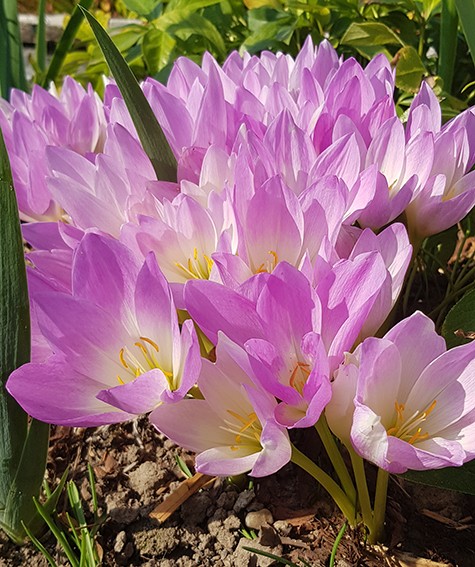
x=466 y=10
x=23 y=446
x=65 y=42
x=148 y=129
x=12 y=67
x=448 y=42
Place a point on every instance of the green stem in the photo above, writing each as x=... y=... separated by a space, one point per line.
x=362 y=486
x=379 y=506
x=409 y=282
x=336 y=457
x=340 y=498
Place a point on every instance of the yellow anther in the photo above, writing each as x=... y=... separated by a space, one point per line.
x=274 y=255
x=150 y=342
x=270 y=265
x=122 y=360
x=247 y=422
x=299 y=379
x=410 y=429
x=430 y=409
x=119 y=379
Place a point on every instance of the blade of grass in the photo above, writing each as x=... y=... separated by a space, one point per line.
x=64 y=44
x=448 y=42
x=41 y=548
x=58 y=534
x=148 y=129
x=466 y=12
x=280 y=560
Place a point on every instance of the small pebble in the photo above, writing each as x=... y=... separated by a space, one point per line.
x=255 y=520
x=283 y=527
x=120 y=541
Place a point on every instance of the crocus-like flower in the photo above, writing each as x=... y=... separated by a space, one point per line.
x=118 y=350
x=404 y=402
x=233 y=429
x=449 y=193
x=73 y=119
x=294 y=337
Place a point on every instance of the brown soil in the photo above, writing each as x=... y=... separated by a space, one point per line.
x=136 y=469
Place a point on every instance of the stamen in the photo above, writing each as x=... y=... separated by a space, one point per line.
x=270 y=265
x=119 y=379
x=145 y=360
x=121 y=356
x=298 y=380
x=196 y=268
x=247 y=423
x=410 y=430
x=150 y=342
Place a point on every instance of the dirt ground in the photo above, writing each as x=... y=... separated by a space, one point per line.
x=288 y=514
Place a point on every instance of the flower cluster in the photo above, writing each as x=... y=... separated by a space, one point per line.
x=242 y=300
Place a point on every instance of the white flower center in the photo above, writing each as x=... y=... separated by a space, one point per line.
x=410 y=429
x=141 y=359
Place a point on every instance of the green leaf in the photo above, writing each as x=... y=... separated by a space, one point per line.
x=141 y=7
x=157 y=49
x=23 y=447
x=149 y=131
x=183 y=25
x=461 y=479
x=409 y=69
x=12 y=67
x=369 y=35
x=41 y=37
x=448 y=42
x=270 y=29
x=190 y=5
x=460 y=318
x=64 y=44
x=466 y=11
x=429 y=7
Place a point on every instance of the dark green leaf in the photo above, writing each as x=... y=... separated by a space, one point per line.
x=64 y=45
x=41 y=37
x=461 y=479
x=448 y=42
x=466 y=11
x=460 y=320
x=149 y=131
x=22 y=448
x=12 y=67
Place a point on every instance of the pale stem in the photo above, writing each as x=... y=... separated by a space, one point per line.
x=336 y=457
x=340 y=498
x=379 y=506
x=362 y=486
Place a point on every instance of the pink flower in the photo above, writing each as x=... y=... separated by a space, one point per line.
x=404 y=402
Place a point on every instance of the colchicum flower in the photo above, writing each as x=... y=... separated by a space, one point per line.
x=404 y=402
x=117 y=346
x=232 y=429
